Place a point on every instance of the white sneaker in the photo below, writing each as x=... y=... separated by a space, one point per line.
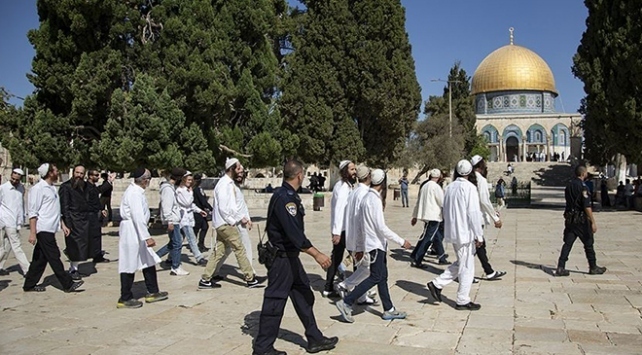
x=343 y=291
x=179 y=272
x=366 y=301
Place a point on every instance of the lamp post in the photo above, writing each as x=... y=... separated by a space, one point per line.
x=450 y=103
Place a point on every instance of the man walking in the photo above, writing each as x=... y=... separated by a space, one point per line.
x=44 y=222
x=462 y=228
x=106 y=189
x=403 y=187
x=201 y=225
x=340 y=194
x=135 y=244
x=428 y=209
x=578 y=223
x=377 y=235
x=12 y=217
x=76 y=216
x=226 y=218
x=171 y=217
x=286 y=275
x=489 y=213
x=97 y=213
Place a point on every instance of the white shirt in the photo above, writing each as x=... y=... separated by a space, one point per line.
x=340 y=194
x=430 y=203
x=375 y=230
x=240 y=202
x=45 y=206
x=490 y=215
x=226 y=210
x=462 y=216
x=185 y=201
x=355 y=241
x=12 y=210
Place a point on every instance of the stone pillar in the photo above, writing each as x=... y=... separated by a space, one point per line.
x=548 y=147
x=500 y=149
x=524 y=148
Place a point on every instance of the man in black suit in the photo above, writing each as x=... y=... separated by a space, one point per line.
x=105 y=194
x=200 y=223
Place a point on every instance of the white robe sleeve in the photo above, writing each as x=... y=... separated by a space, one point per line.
x=138 y=217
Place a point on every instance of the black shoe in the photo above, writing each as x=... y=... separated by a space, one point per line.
x=253 y=283
x=434 y=291
x=444 y=262
x=597 y=270
x=468 y=306
x=325 y=344
x=207 y=285
x=330 y=294
x=37 y=288
x=202 y=262
x=4 y=272
x=270 y=352
x=562 y=272
x=101 y=259
x=418 y=266
x=74 y=286
x=75 y=275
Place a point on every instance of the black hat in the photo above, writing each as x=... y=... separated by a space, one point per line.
x=177 y=173
x=198 y=176
x=137 y=173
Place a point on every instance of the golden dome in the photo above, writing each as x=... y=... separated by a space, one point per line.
x=512 y=68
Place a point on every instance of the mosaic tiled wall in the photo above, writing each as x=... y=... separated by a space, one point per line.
x=514 y=102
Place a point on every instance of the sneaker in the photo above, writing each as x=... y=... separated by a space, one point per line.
x=495 y=275
x=253 y=283
x=468 y=306
x=207 y=285
x=323 y=345
x=343 y=292
x=37 y=288
x=597 y=270
x=345 y=310
x=372 y=293
x=330 y=294
x=74 y=286
x=179 y=272
x=156 y=297
x=202 y=262
x=133 y=303
x=391 y=315
x=418 y=265
x=562 y=272
x=366 y=301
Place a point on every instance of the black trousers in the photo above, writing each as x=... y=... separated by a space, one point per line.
x=46 y=251
x=571 y=233
x=95 y=236
x=337 y=258
x=200 y=228
x=127 y=282
x=105 y=202
x=483 y=259
x=286 y=278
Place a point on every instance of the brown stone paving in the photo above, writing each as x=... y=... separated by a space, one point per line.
x=528 y=312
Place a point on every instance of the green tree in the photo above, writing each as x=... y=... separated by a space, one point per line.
x=609 y=62
x=147 y=128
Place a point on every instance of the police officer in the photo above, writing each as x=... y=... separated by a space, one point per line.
x=578 y=222
x=286 y=276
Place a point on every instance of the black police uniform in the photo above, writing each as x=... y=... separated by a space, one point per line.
x=577 y=223
x=286 y=276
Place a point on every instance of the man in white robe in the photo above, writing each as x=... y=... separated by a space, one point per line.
x=135 y=244
x=462 y=228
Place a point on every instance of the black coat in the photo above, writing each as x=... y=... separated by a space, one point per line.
x=75 y=211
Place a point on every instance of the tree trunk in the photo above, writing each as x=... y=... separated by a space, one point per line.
x=423 y=170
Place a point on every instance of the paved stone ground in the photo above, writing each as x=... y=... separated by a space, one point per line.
x=528 y=312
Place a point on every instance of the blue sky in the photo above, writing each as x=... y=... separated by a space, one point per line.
x=441 y=32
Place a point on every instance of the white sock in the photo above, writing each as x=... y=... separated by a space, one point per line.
x=391 y=310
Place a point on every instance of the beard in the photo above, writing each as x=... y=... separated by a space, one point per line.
x=78 y=183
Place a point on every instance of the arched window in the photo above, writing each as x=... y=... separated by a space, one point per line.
x=528 y=136
x=488 y=137
x=538 y=136
x=562 y=138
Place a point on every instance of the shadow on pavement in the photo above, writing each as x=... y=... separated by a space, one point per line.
x=251 y=327
x=4 y=284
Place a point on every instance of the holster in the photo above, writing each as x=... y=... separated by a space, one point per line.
x=267 y=253
x=574 y=217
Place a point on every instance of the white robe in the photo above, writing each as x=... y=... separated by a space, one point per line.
x=134 y=254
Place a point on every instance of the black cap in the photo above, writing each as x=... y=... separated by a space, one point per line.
x=198 y=176
x=137 y=173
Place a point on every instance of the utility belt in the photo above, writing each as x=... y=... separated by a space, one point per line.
x=575 y=217
x=287 y=254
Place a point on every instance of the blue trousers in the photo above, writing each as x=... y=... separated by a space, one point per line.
x=378 y=277
x=173 y=247
x=432 y=235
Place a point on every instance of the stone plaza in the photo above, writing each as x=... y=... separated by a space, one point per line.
x=529 y=311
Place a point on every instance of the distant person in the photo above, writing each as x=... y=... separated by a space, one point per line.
x=269 y=189
x=12 y=218
x=604 y=192
x=403 y=184
x=513 y=186
x=619 y=194
x=628 y=194
x=106 y=189
x=321 y=182
x=500 y=192
x=314 y=182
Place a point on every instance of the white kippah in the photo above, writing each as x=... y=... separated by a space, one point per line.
x=343 y=164
x=377 y=176
x=435 y=173
x=20 y=172
x=464 y=167
x=230 y=162
x=476 y=159
x=43 y=169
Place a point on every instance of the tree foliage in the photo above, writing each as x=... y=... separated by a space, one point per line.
x=609 y=62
